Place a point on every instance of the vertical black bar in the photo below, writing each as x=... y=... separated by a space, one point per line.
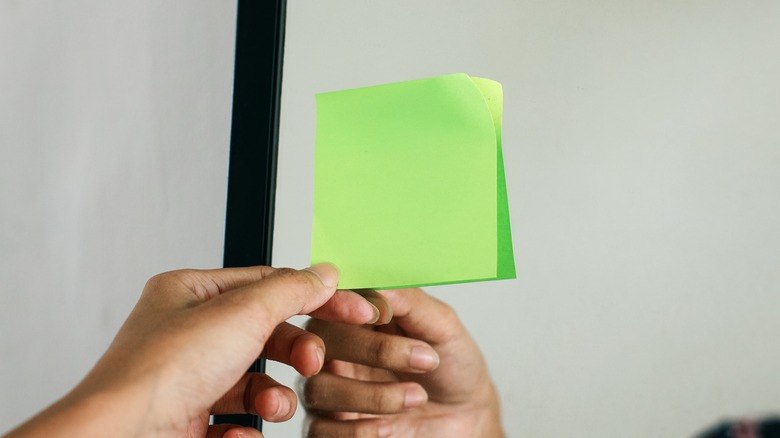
x=254 y=139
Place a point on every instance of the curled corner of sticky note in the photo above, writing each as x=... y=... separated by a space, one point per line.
x=492 y=91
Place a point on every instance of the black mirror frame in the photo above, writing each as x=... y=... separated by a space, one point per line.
x=254 y=143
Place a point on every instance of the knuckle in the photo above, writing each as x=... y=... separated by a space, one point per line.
x=318 y=427
x=154 y=282
x=293 y=278
x=158 y=280
x=386 y=401
x=448 y=314
x=312 y=392
x=384 y=351
x=313 y=325
x=165 y=280
x=287 y=273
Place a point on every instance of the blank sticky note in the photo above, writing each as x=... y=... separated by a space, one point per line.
x=409 y=185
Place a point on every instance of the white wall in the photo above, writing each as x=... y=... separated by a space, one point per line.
x=642 y=159
x=114 y=130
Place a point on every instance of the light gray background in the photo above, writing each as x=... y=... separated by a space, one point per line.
x=642 y=155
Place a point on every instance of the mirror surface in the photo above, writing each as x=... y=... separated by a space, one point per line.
x=641 y=156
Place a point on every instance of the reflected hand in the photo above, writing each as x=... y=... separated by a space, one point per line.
x=421 y=375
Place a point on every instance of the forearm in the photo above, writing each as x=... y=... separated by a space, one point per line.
x=81 y=413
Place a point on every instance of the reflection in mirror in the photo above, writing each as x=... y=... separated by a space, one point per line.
x=641 y=157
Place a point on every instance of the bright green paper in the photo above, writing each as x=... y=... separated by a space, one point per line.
x=409 y=184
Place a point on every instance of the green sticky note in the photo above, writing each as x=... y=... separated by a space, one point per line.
x=409 y=185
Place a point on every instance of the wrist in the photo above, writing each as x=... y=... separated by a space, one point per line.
x=83 y=414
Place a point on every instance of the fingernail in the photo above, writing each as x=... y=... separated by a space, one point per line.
x=283 y=408
x=320 y=358
x=376 y=302
x=384 y=430
x=423 y=359
x=328 y=274
x=375 y=309
x=415 y=396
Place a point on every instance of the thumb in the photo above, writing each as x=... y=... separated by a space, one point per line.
x=280 y=295
x=422 y=316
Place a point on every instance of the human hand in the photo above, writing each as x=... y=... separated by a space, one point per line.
x=184 y=351
x=421 y=375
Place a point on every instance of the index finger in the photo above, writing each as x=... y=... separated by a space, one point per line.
x=359 y=306
x=422 y=316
